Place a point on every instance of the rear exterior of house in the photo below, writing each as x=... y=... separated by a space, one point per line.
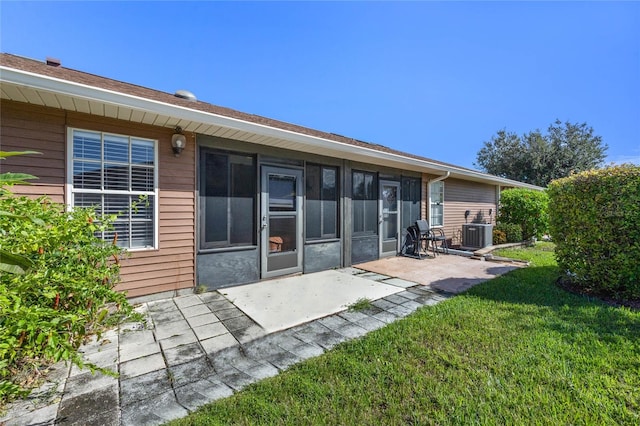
x=248 y=198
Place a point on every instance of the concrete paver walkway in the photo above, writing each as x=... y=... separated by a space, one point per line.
x=196 y=349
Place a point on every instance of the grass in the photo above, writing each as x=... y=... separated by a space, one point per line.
x=514 y=350
x=541 y=255
x=360 y=305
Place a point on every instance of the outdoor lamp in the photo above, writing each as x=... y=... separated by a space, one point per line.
x=178 y=141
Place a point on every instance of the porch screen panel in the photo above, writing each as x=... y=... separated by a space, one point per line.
x=243 y=195
x=215 y=188
x=321 y=208
x=227 y=199
x=365 y=203
x=411 y=189
x=329 y=202
x=313 y=206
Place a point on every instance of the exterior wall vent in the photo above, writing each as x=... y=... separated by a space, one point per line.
x=185 y=94
x=53 y=62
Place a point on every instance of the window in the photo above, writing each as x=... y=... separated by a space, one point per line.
x=436 y=202
x=227 y=199
x=411 y=188
x=322 y=202
x=365 y=203
x=117 y=175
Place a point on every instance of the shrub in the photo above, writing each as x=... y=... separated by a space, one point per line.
x=512 y=232
x=595 y=222
x=56 y=284
x=526 y=208
x=499 y=237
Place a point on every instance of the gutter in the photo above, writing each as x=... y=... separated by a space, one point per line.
x=439 y=178
x=92 y=93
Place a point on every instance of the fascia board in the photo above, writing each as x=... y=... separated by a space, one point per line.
x=68 y=88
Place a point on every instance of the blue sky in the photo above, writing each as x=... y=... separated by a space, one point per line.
x=431 y=78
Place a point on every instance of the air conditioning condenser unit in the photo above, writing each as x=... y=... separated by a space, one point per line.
x=477 y=235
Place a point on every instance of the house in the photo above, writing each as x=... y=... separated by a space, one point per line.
x=223 y=197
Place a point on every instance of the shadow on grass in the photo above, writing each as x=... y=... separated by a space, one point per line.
x=532 y=290
x=501 y=270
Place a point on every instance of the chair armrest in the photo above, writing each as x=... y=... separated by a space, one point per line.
x=437 y=233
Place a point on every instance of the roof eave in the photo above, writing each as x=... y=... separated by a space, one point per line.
x=96 y=94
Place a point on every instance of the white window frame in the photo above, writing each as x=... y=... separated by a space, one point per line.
x=433 y=202
x=71 y=191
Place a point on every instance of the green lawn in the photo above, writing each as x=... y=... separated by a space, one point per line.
x=515 y=350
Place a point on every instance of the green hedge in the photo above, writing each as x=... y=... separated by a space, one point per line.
x=526 y=208
x=507 y=233
x=595 y=222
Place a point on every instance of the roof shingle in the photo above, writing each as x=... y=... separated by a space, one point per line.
x=68 y=74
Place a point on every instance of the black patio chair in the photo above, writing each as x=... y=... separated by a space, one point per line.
x=431 y=236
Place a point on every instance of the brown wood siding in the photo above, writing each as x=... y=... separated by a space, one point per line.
x=27 y=127
x=459 y=196
x=171 y=266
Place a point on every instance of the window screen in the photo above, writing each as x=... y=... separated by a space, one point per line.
x=227 y=199
x=321 y=202
x=411 y=191
x=365 y=203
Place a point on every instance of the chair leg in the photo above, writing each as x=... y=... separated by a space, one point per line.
x=416 y=248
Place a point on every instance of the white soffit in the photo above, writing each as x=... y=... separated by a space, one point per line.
x=42 y=90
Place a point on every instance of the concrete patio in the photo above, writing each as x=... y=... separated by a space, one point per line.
x=196 y=349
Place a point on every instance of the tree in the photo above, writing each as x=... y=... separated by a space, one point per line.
x=538 y=159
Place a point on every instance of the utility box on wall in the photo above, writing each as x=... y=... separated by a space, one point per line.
x=477 y=235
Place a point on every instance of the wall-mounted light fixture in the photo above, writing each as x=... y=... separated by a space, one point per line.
x=466 y=215
x=178 y=141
